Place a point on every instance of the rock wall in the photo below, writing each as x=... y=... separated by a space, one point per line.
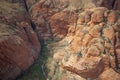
x=117 y=6
x=47 y=14
x=19 y=45
x=91 y=49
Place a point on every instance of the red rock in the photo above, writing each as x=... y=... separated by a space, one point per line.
x=63 y=18
x=93 y=51
x=87 y=38
x=118 y=55
x=19 y=45
x=81 y=19
x=117 y=6
x=112 y=75
x=95 y=31
x=112 y=17
x=17 y=53
x=93 y=39
x=109 y=33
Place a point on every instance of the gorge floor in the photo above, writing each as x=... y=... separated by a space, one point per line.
x=39 y=70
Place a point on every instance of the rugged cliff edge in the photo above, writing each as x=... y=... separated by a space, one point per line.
x=19 y=45
x=52 y=17
x=88 y=32
x=91 y=48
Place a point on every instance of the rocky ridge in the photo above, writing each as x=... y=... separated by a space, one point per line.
x=47 y=14
x=91 y=49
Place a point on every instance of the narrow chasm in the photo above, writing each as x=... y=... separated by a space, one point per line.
x=59 y=40
x=39 y=70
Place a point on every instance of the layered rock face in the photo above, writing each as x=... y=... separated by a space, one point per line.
x=89 y=51
x=47 y=14
x=19 y=45
x=91 y=48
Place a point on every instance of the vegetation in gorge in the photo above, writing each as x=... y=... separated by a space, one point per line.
x=39 y=70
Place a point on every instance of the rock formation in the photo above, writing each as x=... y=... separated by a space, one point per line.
x=91 y=36
x=19 y=45
x=47 y=14
x=91 y=49
x=89 y=29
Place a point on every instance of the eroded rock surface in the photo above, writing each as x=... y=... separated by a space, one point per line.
x=19 y=45
x=47 y=14
x=91 y=49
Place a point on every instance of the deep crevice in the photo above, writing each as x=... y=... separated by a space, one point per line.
x=27 y=10
x=115 y=54
x=113 y=4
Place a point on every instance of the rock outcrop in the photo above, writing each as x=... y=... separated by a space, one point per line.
x=91 y=48
x=19 y=45
x=47 y=14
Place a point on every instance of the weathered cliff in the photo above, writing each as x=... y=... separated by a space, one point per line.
x=52 y=17
x=91 y=48
x=19 y=45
